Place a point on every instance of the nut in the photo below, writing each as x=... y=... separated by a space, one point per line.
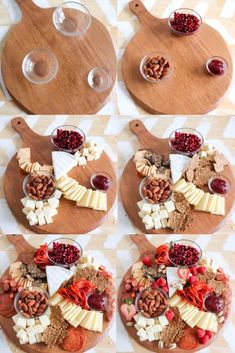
x=32 y=303
x=152 y=303
x=156 y=68
x=40 y=187
x=221 y=313
x=159 y=193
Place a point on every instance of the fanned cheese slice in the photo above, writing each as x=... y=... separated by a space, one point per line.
x=62 y=163
x=56 y=275
x=178 y=163
x=202 y=205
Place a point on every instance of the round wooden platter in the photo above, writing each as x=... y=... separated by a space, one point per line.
x=69 y=92
x=25 y=253
x=70 y=219
x=190 y=89
x=146 y=248
x=203 y=222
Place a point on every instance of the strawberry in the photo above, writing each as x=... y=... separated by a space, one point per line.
x=128 y=311
x=209 y=334
x=161 y=282
x=201 y=333
x=193 y=270
x=147 y=261
x=204 y=340
x=201 y=269
x=170 y=315
x=192 y=279
x=155 y=285
x=183 y=273
x=165 y=289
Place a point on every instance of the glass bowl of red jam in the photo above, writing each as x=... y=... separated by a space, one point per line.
x=101 y=181
x=68 y=138
x=184 y=21
x=219 y=185
x=216 y=66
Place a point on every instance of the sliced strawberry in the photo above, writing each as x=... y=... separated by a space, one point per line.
x=128 y=311
x=209 y=334
x=193 y=270
x=161 y=282
x=183 y=273
x=147 y=261
x=192 y=279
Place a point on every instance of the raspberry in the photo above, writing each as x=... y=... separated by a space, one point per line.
x=192 y=279
x=201 y=333
x=170 y=315
x=201 y=270
x=209 y=334
x=147 y=261
x=161 y=282
x=204 y=340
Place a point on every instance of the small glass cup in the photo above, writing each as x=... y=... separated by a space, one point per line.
x=140 y=295
x=72 y=19
x=223 y=178
x=152 y=55
x=99 y=79
x=141 y=186
x=217 y=58
x=68 y=128
x=41 y=172
x=65 y=241
x=30 y=289
x=186 y=12
x=186 y=131
x=103 y=174
x=40 y=66
x=185 y=242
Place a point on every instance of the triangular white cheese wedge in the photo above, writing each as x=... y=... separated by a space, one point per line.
x=63 y=162
x=178 y=163
x=172 y=278
x=56 y=275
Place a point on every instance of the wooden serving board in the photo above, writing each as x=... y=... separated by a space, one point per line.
x=69 y=92
x=203 y=222
x=190 y=89
x=25 y=253
x=70 y=219
x=146 y=248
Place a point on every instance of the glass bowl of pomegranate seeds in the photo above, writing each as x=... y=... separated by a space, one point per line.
x=31 y=302
x=156 y=67
x=219 y=184
x=40 y=66
x=68 y=138
x=216 y=66
x=39 y=186
x=64 y=252
x=72 y=19
x=101 y=181
x=186 y=141
x=184 y=253
x=184 y=21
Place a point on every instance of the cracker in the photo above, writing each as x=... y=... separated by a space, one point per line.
x=175 y=330
x=219 y=162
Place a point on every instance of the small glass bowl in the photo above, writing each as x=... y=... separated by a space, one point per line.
x=141 y=186
x=185 y=242
x=151 y=55
x=140 y=295
x=72 y=19
x=41 y=172
x=187 y=12
x=221 y=177
x=216 y=296
x=30 y=289
x=103 y=174
x=186 y=131
x=219 y=58
x=99 y=79
x=40 y=66
x=69 y=128
x=65 y=241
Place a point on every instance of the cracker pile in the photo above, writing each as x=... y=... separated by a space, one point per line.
x=175 y=330
x=181 y=218
x=57 y=331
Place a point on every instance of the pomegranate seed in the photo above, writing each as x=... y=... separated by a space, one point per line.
x=186 y=142
x=185 y=23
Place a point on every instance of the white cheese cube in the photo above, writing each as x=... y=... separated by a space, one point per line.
x=16 y=328
x=149 y=329
x=39 y=212
x=149 y=226
x=164 y=222
x=39 y=204
x=21 y=322
x=30 y=330
x=44 y=320
x=24 y=341
x=157 y=224
x=57 y=194
x=41 y=220
x=24 y=200
x=21 y=334
x=38 y=329
x=49 y=211
x=155 y=216
x=157 y=328
x=30 y=204
x=30 y=322
x=155 y=207
x=77 y=154
x=141 y=321
x=90 y=158
x=147 y=207
x=151 y=337
x=91 y=144
x=138 y=327
x=53 y=202
x=26 y=210
x=142 y=214
x=142 y=333
x=85 y=152
x=140 y=204
x=136 y=317
x=163 y=214
x=157 y=336
x=163 y=320
x=97 y=156
x=31 y=216
x=34 y=222
x=81 y=161
x=142 y=339
x=15 y=318
x=147 y=219
x=48 y=219
x=32 y=339
x=149 y=322
x=39 y=337
x=170 y=206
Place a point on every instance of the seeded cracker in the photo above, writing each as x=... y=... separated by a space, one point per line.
x=92 y=275
x=220 y=162
x=175 y=330
x=57 y=331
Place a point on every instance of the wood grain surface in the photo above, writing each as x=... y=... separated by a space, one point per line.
x=203 y=222
x=25 y=251
x=190 y=89
x=69 y=92
x=70 y=219
x=146 y=248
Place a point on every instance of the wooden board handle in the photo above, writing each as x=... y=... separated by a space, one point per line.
x=20 y=126
x=138 y=8
x=144 y=136
x=27 y=6
x=20 y=243
x=142 y=243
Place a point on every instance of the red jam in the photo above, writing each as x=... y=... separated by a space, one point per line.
x=97 y=302
x=101 y=182
x=217 y=67
x=68 y=139
x=185 y=23
x=184 y=142
x=219 y=186
x=214 y=304
x=65 y=254
x=183 y=255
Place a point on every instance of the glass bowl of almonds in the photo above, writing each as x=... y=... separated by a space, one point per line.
x=155 y=190
x=39 y=186
x=156 y=66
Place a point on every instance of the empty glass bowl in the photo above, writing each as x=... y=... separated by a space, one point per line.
x=72 y=19
x=99 y=79
x=40 y=66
